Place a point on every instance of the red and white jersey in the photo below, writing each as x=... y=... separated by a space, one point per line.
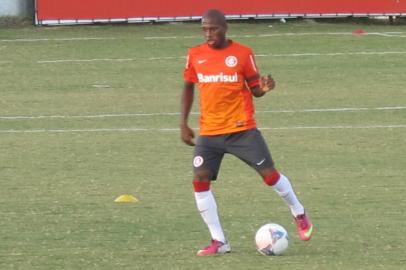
x=225 y=101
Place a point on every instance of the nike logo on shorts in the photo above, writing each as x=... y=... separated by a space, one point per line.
x=262 y=161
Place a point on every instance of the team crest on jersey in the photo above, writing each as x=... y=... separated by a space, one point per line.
x=231 y=61
x=197 y=161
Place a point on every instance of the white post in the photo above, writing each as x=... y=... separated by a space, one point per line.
x=16 y=8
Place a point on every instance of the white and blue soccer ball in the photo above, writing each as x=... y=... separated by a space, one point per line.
x=272 y=239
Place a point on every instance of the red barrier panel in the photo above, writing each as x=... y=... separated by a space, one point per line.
x=58 y=11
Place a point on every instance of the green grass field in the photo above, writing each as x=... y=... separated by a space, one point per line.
x=88 y=113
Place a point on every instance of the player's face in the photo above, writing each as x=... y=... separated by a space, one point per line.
x=214 y=32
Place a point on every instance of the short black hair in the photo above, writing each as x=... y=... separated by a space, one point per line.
x=217 y=15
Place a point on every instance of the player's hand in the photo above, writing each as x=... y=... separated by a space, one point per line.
x=267 y=83
x=187 y=135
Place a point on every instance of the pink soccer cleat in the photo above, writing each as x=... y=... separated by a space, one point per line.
x=304 y=227
x=215 y=247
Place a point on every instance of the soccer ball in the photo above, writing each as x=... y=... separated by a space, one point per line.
x=271 y=239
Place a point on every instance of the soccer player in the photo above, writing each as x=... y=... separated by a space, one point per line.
x=227 y=76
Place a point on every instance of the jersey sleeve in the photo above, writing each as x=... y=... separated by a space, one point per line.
x=189 y=74
x=251 y=72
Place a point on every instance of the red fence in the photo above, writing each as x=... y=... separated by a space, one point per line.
x=89 y=11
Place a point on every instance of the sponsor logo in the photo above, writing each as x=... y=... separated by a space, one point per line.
x=221 y=77
x=262 y=161
x=201 y=61
x=231 y=61
x=309 y=232
x=198 y=161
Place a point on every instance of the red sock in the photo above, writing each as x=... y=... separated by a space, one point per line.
x=201 y=186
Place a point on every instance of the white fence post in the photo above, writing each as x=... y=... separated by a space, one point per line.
x=17 y=8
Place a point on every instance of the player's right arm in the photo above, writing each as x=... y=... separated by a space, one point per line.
x=186 y=133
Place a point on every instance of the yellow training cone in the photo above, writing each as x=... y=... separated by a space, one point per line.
x=126 y=198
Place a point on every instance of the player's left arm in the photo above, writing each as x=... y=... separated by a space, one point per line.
x=260 y=85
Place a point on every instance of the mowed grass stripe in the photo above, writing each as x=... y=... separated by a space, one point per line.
x=107 y=115
x=58 y=188
x=315 y=54
x=292 y=34
x=177 y=129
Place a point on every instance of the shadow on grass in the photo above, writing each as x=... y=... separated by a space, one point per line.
x=15 y=21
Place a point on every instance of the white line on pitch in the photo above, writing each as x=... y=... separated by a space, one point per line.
x=258 y=55
x=328 y=54
x=9 y=131
x=109 y=59
x=334 y=127
x=75 y=130
x=55 y=39
x=384 y=34
x=90 y=116
x=336 y=110
x=196 y=113
x=86 y=60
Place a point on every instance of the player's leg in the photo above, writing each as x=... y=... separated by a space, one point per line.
x=283 y=187
x=206 y=163
x=250 y=147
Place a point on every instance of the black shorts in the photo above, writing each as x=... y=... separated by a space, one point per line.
x=249 y=146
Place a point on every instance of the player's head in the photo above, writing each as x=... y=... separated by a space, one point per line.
x=214 y=26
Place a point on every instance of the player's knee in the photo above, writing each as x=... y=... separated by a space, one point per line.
x=201 y=186
x=271 y=178
x=203 y=175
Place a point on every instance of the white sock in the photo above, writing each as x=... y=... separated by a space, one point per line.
x=208 y=210
x=285 y=190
